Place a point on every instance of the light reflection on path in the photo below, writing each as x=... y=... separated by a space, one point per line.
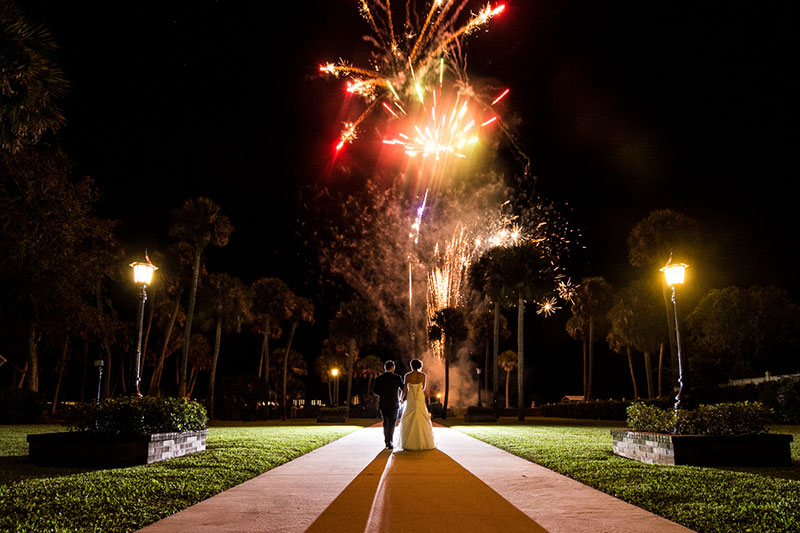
x=419 y=492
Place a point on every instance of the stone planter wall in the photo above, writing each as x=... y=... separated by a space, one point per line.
x=88 y=449
x=706 y=450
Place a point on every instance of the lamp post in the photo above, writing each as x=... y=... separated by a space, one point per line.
x=335 y=374
x=142 y=274
x=675 y=273
x=478 y=370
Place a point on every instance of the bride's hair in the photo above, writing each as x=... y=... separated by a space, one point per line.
x=416 y=364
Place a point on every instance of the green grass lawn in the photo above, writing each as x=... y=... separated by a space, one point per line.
x=703 y=499
x=38 y=498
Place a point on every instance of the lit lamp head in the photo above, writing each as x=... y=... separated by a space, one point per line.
x=674 y=273
x=143 y=271
x=334 y=372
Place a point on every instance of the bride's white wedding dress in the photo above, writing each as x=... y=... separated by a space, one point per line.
x=416 y=431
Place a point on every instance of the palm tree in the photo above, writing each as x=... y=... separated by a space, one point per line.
x=176 y=271
x=491 y=286
x=369 y=367
x=200 y=223
x=199 y=360
x=521 y=273
x=296 y=367
x=620 y=343
x=652 y=241
x=635 y=319
x=331 y=356
x=302 y=310
x=31 y=85
x=482 y=332
x=353 y=324
x=592 y=301
x=227 y=303
x=508 y=362
x=272 y=300
x=450 y=326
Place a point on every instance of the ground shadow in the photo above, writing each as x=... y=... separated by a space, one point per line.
x=18 y=468
x=420 y=491
x=351 y=509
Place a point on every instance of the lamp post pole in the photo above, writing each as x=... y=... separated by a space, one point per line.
x=137 y=374
x=335 y=373
x=680 y=353
x=143 y=274
x=675 y=273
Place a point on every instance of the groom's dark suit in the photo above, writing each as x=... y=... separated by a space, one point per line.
x=388 y=387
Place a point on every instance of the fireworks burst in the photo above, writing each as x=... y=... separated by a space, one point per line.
x=404 y=63
x=447 y=280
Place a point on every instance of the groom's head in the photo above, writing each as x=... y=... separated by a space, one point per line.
x=388 y=366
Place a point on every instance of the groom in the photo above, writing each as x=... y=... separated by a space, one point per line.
x=388 y=387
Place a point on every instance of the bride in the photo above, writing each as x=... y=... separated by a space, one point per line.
x=416 y=431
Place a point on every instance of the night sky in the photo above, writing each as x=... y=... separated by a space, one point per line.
x=623 y=107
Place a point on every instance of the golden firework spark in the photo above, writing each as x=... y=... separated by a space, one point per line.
x=402 y=65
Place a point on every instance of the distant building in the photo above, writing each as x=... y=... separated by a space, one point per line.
x=572 y=399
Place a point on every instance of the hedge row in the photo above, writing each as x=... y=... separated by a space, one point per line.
x=594 y=410
x=130 y=415
x=781 y=396
x=740 y=418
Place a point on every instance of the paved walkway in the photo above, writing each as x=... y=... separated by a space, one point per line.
x=353 y=485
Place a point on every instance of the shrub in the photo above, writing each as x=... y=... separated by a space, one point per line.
x=741 y=418
x=19 y=406
x=643 y=417
x=131 y=415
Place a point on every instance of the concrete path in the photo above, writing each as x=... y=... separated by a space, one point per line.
x=353 y=485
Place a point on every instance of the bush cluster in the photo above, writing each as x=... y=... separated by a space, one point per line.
x=592 y=410
x=130 y=415
x=780 y=395
x=739 y=418
x=19 y=406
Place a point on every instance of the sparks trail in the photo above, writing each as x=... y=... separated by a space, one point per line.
x=404 y=62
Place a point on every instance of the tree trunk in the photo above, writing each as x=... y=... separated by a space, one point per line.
x=265 y=361
x=352 y=348
x=286 y=370
x=520 y=360
x=107 y=371
x=585 y=369
x=633 y=374
x=330 y=393
x=188 y=330
x=486 y=370
x=213 y=375
x=32 y=375
x=591 y=360
x=147 y=330
x=192 y=380
x=508 y=381
x=446 y=376
x=85 y=369
x=649 y=372
x=495 y=352
x=62 y=363
x=660 y=369
x=155 y=379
